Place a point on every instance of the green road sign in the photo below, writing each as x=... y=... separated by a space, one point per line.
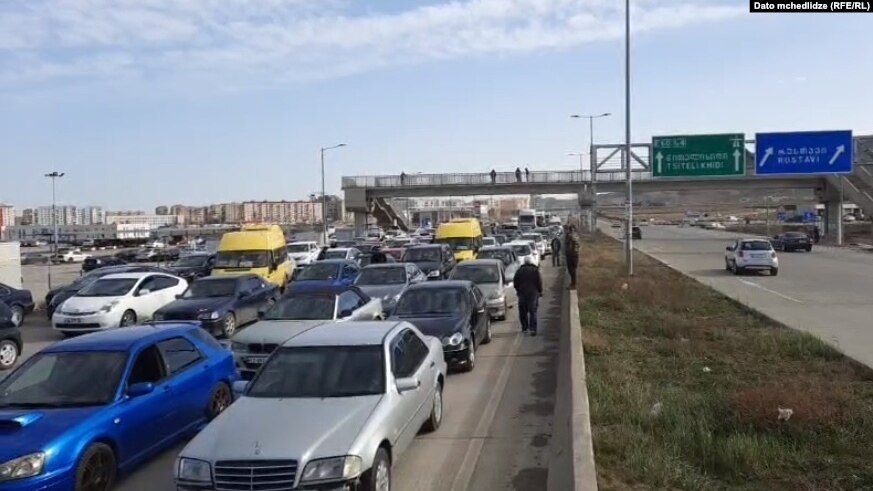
x=699 y=155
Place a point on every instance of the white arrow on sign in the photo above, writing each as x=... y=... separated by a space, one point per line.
x=767 y=154
x=737 y=155
x=659 y=158
x=840 y=150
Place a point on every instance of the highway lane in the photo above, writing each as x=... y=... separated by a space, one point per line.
x=826 y=292
x=497 y=421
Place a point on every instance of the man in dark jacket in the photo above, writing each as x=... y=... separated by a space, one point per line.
x=556 y=251
x=378 y=257
x=529 y=286
x=572 y=253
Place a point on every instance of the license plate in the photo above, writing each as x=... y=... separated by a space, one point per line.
x=73 y=320
x=256 y=360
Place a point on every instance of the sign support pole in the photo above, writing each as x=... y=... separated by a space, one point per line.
x=628 y=243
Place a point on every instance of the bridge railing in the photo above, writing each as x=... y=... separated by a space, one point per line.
x=466 y=179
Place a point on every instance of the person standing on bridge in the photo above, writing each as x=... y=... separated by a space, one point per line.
x=402 y=178
x=572 y=255
x=529 y=286
x=527 y=174
x=518 y=174
x=493 y=176
x=556 y=251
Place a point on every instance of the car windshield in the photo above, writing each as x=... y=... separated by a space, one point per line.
x=795 y=235
x=477 y=274
x=321 y=371
x=500 y=254
x=521 y=249
x=209 y=288
x=320 y=271
x=241 y=259
x=190 y=262
x=64 y=379
x=382 y=276
x=303 y=307
x=489 y=241
x=292 y=248
x=457 y=243
x=108 y=287
x=429 y=301
x=757 y=245
x=425 y=254
x=336 y=254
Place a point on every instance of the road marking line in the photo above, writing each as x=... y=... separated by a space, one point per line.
x=474 y=448
x=774 y=292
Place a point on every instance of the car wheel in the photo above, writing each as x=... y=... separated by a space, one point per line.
x=378 y=478
x=228 y=325
x=8 y=354
x=736 y=269
x=774 y=271
x=487 y=338
x=128 y=318
x=97 y=469
x=808 y=248
x=727 y=265
x=220 y=399
x=502 y=317
x=436 y=411
x=17 y=315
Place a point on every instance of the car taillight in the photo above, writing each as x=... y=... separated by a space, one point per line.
x=740 y=254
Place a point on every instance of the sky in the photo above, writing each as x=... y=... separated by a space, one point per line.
x=156 y=102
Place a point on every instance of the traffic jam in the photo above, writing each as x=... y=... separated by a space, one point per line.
x=282 y=364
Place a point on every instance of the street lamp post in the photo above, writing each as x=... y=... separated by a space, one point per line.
x=591 y=163
x=324 y=195
x=54 y=176
x=628 y=254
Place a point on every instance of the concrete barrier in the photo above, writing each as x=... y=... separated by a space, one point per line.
x=571 y=462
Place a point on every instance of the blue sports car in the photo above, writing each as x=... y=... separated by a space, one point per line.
x=85 y=410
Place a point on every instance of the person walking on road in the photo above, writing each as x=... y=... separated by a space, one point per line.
x=529 y=286
x=572 y=255
x=518 y=174
x=556 y=251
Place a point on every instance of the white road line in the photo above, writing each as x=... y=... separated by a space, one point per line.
x=474 y=448
x=774 y=292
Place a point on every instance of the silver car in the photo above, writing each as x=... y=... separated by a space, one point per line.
x=387 y=281
x=332 y=409
x=295 y=313
x=490 y=276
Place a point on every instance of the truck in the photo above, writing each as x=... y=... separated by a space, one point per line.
x=527 y=219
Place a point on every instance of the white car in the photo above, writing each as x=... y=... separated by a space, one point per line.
x=117 y=300
x=303 y=253
x=71 y=256
x=342 y=253
x=538 y=241
x=751 y=255
x=524 y=249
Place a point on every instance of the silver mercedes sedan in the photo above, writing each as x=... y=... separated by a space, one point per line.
x=333 y=408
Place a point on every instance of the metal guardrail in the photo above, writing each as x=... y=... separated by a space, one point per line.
x=486 y=179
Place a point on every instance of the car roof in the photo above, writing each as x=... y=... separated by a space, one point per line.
x=301 y=289
x=425 y=246
x=385 y=265
x=440 y=285
x=355 y=333
x=301 y=242
x=226 y=278
x=336 y=261
x=132 y=276
x=752 y=239
x=122 y=339
x=479 y=262
x=518 y=242
x=502 y=247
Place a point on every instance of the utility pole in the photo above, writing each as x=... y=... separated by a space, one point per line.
x=54 y=176
x=629 y=258
x=324 y=195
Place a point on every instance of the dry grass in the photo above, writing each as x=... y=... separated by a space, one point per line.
x=686 y=387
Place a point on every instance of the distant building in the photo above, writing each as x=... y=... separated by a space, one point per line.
x=28 y=216
x=64 y=215
x=162 y=210
x=78 y=233
x=7 y=215
x=296 y=212
x=90 y=215
x=153 y=221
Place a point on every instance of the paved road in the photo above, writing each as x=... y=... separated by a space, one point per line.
x=826 y=292
x=497 y=423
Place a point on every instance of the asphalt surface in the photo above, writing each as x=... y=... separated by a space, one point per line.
x=825 y=292
x=497 y=419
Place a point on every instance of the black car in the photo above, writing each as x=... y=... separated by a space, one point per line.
x=636 y=233
x=221 y=303
x=435 y=260
x=193 y=266
x=128 y=255
x=10 y=338
x=58 y=295
x=453 y=311
x=19 y=302
x=366 y=259
x=92 y=263
x=792 y=241
x=368 y=247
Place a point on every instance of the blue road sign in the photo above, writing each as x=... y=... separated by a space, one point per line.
x=807 y=152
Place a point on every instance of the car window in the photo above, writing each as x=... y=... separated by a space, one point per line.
x=164 y=282
x=416 y=350
x=407 y=353
x=148 y=367
x=148 y=284
x=348 y=301
x=477 y=295
x=350 y=271
x=756 y=245
x=179 y=354
x=255 y=284
x=206 y=338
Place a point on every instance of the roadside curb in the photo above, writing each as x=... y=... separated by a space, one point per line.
x=571 y=463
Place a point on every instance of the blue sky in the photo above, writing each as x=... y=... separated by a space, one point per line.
x=148 y=102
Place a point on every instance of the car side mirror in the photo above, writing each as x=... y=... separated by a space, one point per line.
x=143 y=292
x=179 y=296
x=141 y=389
x=407 y=383
x=728 y=248
x=239 y=387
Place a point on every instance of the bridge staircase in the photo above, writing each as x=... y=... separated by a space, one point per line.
x=387 y=216
x=857 y=187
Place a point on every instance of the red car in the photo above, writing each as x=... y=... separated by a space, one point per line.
x=395 y=252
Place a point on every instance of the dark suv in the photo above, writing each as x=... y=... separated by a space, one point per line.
x=435 y=260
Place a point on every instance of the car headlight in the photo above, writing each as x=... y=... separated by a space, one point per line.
x=454 y=340
x=109 y=306
x=27 y=466
x=332 y=469
x=194 y=470
x=496 y=296
x=209 y=316
x=433 y=274
x=158 y=316
x=236 y=346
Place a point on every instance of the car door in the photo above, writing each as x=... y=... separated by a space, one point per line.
x=143 y=298
x=367 y=309
x=151 y=411
x=188 y=381
x=426 y=373
x=161 y=292
x=246 y=303
x=347 y=304
x=405 y=363
x=480 y=312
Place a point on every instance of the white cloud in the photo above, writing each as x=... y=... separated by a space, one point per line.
x=278 y=40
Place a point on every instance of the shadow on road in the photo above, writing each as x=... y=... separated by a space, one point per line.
x=710 y=273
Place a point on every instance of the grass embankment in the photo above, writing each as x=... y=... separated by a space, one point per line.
x=686 y=389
